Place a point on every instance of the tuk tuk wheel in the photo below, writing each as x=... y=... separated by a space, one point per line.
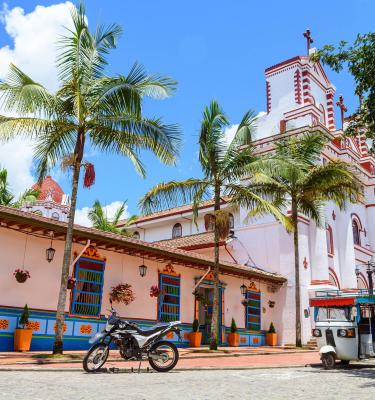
x=328 y=360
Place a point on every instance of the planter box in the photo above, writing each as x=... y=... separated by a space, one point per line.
x=22 y=339
x=195 y=339
x=233 y=339
x=271 y=339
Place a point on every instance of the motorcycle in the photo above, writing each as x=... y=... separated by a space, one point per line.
x=134 y=343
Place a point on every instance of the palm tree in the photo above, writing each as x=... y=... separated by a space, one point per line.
x=223 y=165
x=295 y=178
x=89 y=108
x=7 y=198
x=99 y=219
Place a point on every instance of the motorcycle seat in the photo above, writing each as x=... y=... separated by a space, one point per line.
x=152 y=330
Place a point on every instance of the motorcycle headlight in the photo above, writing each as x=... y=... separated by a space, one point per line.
x=316 y=332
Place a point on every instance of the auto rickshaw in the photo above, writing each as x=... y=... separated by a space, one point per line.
x=344 y=325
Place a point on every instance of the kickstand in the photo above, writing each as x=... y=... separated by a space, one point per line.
x=139 y=366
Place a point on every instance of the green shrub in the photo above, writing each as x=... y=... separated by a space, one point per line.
x=24 y=319
x=195 y=326
x=233 y=326
x=272 y=328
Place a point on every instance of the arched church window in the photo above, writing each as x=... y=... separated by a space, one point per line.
x=55 y=216
x=361 y=282
x=209 y=222
x=356 y=232
x=333 y=278
x=329 y=235
x=136 y=235
x=176 y=231
x=231 y=221
x=322 y=114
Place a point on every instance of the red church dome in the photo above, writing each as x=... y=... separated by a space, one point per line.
x=49 y=186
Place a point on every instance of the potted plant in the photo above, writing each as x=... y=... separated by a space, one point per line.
x=71 y=282
x=154 y=291
x=23 y=335
x=271 y=337
x=122 y=293
x=21 y=275
x=195 y=336
x=233 y=336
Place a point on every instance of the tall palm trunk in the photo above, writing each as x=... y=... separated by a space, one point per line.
x=296 y=273
x=60 y=312
x=215 y=305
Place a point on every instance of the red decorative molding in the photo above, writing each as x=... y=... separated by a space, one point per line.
x=268 y=94
x=330 y=112
x=297 y=87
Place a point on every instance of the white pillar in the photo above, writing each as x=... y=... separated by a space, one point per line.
x=319 y=253
x=346 y=251
x=371 y=225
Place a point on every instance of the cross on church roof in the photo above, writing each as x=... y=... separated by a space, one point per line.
x=309 y=39
x=343 y=109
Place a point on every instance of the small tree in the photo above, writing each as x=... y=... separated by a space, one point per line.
x=195 y=325
x=233 y=326
x=24 y=319
x=272 y=328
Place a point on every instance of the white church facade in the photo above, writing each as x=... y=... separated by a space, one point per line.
x=300 y=98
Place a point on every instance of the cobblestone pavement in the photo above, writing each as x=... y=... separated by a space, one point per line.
x=291 y=383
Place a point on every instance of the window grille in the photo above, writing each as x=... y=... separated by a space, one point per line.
x=169 y=302
x=253 y=310
x=88 y=290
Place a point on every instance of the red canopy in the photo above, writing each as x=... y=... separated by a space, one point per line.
x=332 y=302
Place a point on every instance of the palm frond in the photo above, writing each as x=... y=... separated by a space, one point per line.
x=169 y=194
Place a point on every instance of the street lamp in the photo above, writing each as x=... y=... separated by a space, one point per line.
x=50 y=253
x=142 y=270
x=243 y=289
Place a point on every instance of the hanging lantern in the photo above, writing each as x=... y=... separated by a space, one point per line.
x=50 y=253
x=142 y=270
x=243 y=289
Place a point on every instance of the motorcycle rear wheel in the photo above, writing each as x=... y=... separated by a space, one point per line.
x=96 y=357
x=168 y=349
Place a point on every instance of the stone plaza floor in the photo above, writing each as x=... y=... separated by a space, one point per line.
x=274 y=383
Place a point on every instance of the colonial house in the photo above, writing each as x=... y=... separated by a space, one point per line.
x=300 y=99
x=102 y=260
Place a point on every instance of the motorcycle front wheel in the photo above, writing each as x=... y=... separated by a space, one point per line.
x=96 y=357
x=163 y=356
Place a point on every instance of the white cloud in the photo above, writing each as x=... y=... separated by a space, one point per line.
x=231 y=130
x=33 y=50
x=81 y=216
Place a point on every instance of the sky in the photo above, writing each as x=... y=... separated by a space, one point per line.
x=213 y=49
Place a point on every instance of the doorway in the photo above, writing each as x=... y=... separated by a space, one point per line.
x=204 y=312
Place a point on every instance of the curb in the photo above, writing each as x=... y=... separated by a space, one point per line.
x=76 y=361
x=143 y=370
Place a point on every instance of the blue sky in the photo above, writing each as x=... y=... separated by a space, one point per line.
x=215 y=50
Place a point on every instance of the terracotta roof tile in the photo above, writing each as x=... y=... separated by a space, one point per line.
x=196 y=241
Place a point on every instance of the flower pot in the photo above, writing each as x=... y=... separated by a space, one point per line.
x=22 y=339
x=233 y=339
x=195 y=339
x=21 y=278
x=271 y=339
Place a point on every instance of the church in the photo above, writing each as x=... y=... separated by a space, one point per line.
x=169 y=251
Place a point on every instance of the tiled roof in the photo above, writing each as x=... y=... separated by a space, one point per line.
x=49 y=185
x=172 y=211
x=197 y=241
x=42 y=226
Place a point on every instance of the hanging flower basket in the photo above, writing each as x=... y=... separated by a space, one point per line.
x=122 y=293
x=154 y=291
x=71 y=283
x=21 y=275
